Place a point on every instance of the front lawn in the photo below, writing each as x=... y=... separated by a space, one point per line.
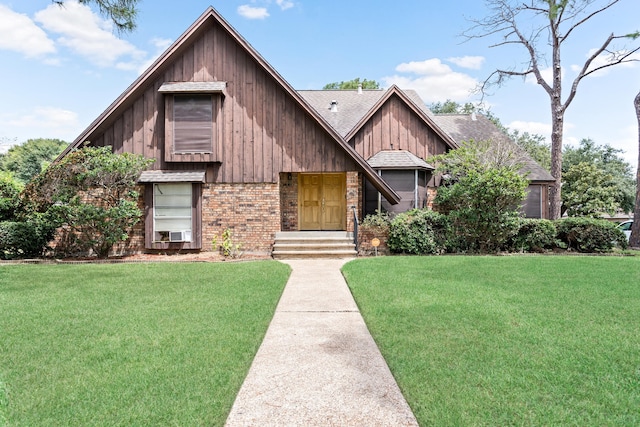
x=488 y=341
x=130 y=344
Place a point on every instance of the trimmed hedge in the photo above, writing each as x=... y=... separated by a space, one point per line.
x=24 y=239
x=533 y=235
x=419 y=232
x=590 y=235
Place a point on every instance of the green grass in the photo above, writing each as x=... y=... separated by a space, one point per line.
x=527 y=341
x=130 y=344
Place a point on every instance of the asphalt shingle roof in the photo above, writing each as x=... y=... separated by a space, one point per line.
x=398 y=159
x=466 y=127
x=171 y=176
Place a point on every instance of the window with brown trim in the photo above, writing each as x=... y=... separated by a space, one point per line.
x=192 y=124
x=192 y=128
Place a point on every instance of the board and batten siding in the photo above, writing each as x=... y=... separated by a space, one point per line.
x=264 y=130
x=396 y=127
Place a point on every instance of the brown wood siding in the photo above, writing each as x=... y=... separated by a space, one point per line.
x=395 y=126
x=263 y=130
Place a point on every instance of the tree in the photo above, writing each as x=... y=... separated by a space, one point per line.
x=452 y=107
x=29 y=159
x=619 y=185
x=542 y=27
x=352 y=84
x=634 y=241
x=482 y=193
x=588 y=191
x=90 y=192
x=122 y=13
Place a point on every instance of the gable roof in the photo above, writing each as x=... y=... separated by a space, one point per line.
x=355 y=108
x=211 y=15
x=465 y=127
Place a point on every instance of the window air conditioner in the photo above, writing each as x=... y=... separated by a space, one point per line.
x=180 y=236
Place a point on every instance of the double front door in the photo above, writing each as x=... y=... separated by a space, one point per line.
x=322 y=201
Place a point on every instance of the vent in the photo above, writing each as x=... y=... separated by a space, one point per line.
x=180 y=236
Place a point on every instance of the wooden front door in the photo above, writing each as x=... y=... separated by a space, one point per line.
x=322 y=201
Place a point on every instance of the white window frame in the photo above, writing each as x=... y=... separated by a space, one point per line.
x=172 y=212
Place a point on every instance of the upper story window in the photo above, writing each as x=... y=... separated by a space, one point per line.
x=193 y=125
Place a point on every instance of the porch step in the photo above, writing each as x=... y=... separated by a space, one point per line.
x=313 y=244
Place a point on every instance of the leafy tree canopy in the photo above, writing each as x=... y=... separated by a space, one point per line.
x=607 y=160
x=588 y=191
x=29 y=159
x=352 y=84
x=122 y=13
x=9 y=191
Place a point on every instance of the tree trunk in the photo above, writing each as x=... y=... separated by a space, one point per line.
x=634 y=241
x=557 y=133
x=555 y=195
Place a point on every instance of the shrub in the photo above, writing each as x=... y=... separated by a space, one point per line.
x=534 y=235
x=419 y=232
x=379 y=219
x=27 y=239
x=91 y=193
x=482 y=206
x=590 y=235
x=9 y=201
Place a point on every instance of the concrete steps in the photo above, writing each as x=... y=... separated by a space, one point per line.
x=313 y=244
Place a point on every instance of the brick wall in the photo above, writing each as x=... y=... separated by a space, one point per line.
x=289 y=201
x=354 y=197
x=250 y=211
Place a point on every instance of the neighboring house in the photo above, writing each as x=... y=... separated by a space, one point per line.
x=236 y=147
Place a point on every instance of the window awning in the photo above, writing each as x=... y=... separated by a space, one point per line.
x=171 y=176
x=193 y=87
x=398 y=159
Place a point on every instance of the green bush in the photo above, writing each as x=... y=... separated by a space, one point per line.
x=419 y=232
x=27 y=239
x=590 y=235
x=379 y=219
x=534 y=235
x=9 y=196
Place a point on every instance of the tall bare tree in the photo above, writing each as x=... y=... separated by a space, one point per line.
x=634 y=241
x=541 y=27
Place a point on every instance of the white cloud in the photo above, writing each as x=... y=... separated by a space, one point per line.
x=533 y=128
x=49 y=119
x=251 y=12
x=19 y=33
x=86 y=34
x=427 y=67
x=436 y=82
x=285 y=4
x=471 y=62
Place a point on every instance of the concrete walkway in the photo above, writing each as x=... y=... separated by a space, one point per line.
x=318 y=365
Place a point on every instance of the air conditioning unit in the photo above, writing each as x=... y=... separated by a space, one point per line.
x=180 y=236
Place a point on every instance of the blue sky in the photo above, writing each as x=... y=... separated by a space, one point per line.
x=61 y=67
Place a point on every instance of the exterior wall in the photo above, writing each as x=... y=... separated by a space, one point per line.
x=289 y=201
x=250 y=211
x=263 y=129
x=354 y=198
x=396 y=127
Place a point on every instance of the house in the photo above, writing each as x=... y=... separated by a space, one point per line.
x=236 y=147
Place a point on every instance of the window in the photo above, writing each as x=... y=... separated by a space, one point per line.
x=172 y=210
x=192 y=124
